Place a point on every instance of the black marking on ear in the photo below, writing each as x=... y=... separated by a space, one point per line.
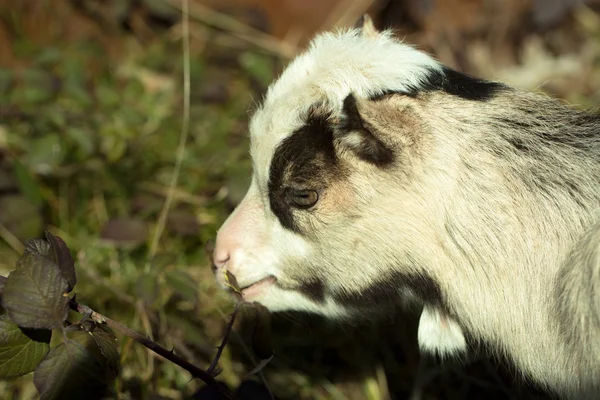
x=455 y=83
x=314 y=290
x=306 y=158
x=369 y=148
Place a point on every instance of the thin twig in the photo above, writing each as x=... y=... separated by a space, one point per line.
x=179 y=194
x=215 y=362
x=169 y=355
x=185 y=130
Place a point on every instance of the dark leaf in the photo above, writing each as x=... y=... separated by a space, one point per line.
x=39 y=247
x=107 y=342
x=35 y=293
x=70 y=371
x=55 y=250
x=102 y=344
x=21 y=350
x=183 y=223
x=125 y=231
x=63 y=258
x=261 y=337
x=215 y=92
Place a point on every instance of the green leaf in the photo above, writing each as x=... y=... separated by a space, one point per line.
x=21 y=350
x=108 y=96
x=35 y=293
x=258 y=66
x=70 y=371
x=184 y=284
x=84 y=139
x=27 y=184
x=48 y=56
x=146 y=288
x=61 y=255
x=46 y=153
x=112 y=145
x=76 y=92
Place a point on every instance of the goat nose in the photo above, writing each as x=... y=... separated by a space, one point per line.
x=220 y=259
x=221 y=255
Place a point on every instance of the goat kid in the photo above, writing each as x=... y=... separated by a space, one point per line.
x=382 y=177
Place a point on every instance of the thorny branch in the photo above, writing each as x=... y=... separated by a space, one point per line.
x=169 y=355
x=215 y=362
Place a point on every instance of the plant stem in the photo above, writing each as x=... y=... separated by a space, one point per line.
x=215 y=362
x=169 y=355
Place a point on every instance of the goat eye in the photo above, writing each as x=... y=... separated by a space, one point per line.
x=302 y=198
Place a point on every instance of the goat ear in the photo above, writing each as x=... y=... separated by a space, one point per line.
x=365 y=24
x=358 y=137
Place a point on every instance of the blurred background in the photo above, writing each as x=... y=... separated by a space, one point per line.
x=91 y=106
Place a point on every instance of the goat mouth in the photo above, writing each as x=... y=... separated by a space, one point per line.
x=258 y=287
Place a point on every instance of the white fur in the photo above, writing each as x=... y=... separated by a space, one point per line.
x=439 y=334
x=334 y=65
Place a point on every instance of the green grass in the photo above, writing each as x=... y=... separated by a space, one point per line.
x=87 y=145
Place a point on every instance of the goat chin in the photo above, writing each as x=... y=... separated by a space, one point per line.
x=383 y=177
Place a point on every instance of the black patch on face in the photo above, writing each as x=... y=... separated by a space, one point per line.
x=304 y=160
x=370 y=149
x=454 y=83
x=393 y=289
x=314 y=290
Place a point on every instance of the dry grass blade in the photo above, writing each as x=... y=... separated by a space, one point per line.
x=11 y=240
x=185 y=130
x=242 y=31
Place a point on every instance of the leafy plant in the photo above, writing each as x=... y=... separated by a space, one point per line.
x=36 y=298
